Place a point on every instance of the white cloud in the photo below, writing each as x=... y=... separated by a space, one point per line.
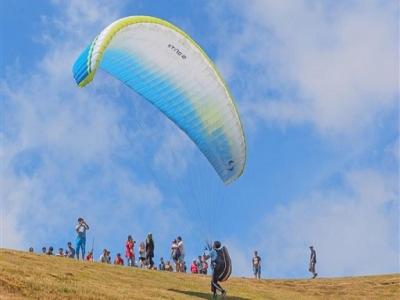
x=355 y=230
x=392 y=151
x=174 y=153
x=334 y=65
x=60 y=144
x=241 y=257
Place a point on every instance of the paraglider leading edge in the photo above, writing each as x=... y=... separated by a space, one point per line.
x=90 y=59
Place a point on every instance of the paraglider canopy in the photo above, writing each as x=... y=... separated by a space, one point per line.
x=164 y=65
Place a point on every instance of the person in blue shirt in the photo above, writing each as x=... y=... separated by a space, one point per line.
x=220 y=266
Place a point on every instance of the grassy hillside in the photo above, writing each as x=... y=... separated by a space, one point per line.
x=25 y=275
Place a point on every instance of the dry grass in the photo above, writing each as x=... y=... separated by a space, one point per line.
x=25 y=275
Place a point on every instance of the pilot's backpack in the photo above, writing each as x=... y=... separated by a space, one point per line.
x=223 y=264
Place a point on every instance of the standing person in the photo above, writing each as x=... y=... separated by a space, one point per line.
x=81 y=237
x=194 y=268
x=204 y=265
x=184 y=267
x=71 y=250
x=142 y=254
x=256 y=265
x=313 y=261
x=150 y=250
x=199 y=264
x=181 y=258
x=175 y=253
x=119 y=260
x=129 y=251
x=108 y=257
x=161 y=266
x=221 y=266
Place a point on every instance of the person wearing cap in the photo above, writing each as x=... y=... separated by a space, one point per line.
x=80 y=229
x=313 y=261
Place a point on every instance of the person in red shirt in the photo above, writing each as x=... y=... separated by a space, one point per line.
x=129 y=252
x=119 y=260
x=89 y=257
x=193 y=268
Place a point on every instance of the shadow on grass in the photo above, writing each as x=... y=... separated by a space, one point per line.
x=206 y=295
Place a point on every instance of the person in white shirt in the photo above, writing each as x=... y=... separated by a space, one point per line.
x=104 y=257
x=60 y=252
x=181 y=258
x=80 y=229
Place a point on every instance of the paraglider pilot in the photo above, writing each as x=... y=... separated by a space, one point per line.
x=220 y=265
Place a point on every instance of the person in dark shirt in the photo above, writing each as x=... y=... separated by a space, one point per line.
x=221 y=266
x=150 y=250
x=71 y=250
x=161 y=266
x=256 y=265
x=313 y=261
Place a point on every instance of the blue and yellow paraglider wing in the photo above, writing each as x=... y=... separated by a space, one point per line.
x=165 y=66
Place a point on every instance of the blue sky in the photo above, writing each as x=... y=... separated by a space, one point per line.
x=316 y=84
